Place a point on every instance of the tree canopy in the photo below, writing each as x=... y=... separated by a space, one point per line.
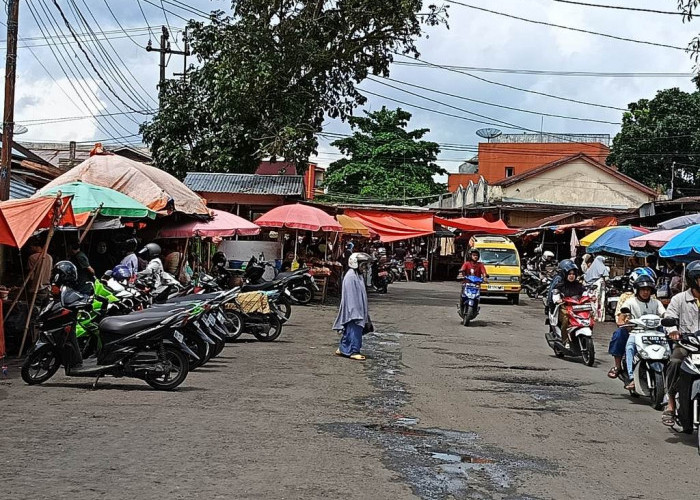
x=386 y=163
x=270 y=73
x=656 y=134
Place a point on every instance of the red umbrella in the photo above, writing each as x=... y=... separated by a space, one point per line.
x=299 y=216
x=223 y=225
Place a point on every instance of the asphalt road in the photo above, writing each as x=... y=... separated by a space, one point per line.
x=437 y=411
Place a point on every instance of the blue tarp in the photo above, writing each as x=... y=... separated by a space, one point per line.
x=617 y=242
x=684 y=246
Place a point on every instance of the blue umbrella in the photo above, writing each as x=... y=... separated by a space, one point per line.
x=684 y=246
x=617 y=242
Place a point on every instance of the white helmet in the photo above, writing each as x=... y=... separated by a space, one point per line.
x=548 y=255
x=358 y=258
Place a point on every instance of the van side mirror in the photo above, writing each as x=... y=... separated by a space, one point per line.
x=668 y=322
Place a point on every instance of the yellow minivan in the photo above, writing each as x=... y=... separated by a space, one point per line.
x=502 y=262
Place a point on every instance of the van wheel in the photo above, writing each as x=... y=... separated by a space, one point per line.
x=514 y=298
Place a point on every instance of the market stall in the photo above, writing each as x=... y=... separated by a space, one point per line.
x=684 y=247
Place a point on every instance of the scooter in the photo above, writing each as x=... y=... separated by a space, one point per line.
x=580 y=312
x=653 y=353
x=380 y=279
x=688 y=397
x=420 y=270
x=145 y=345
x=469 y=302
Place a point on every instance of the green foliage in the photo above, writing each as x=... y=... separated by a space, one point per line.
x=386 y=163
x=269 y=74
x=655 y=134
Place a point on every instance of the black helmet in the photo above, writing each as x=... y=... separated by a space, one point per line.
x=644 y=281
x=566 y=266
x=150 y=251
x=64 y=273
x=692 y=273
x=475 y=251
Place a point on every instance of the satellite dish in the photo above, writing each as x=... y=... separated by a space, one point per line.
x=19 y=129
x=488 y=133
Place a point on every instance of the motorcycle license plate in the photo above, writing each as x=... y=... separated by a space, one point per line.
x=211 y=320
x=498 y=288
x=695 y=358
x=178 y=336
x=383 y=273
x=221 y=317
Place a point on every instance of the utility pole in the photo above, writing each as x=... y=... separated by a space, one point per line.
x=673 y=177
x=165 y=49
x=9 y=109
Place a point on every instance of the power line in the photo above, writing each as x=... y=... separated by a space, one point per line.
x=45 y=121
x=150 y=30
x=513 y=87
x=486 y=103
x=579 y=30
x=109 y=8
x=619 y=7
x=596 y=74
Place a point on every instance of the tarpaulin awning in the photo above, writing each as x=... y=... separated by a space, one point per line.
x=595 y=223
x=616 y=241
x=395 y=226
x=223 y=225
x=299 y=216
x=88 y=198
x=148 y=185
x=353 y=226
x=654 y=240
x=20 y=218
x=477 y=225
x=684 y=246
x=681 y=222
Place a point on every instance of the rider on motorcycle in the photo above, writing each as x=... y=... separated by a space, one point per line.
x=473 y=266
x=684 y=307
x=567 y=285
x=154 y=269
x=638 y=306
x=642 y=303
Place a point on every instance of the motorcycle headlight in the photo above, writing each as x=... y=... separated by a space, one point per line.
x=643 y=355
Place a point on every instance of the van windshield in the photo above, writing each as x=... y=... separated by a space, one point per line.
x=500 y=256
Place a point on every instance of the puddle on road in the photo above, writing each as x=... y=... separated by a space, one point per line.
x=436 y=463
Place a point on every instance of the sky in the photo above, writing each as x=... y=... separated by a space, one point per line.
x=55 y=81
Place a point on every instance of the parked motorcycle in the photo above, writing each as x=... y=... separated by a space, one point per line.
x=380 y=277
x=145 y=345
x=470 y=298
x=420 y=270
x=301 y=285
x=653 y=353
x=580 y=311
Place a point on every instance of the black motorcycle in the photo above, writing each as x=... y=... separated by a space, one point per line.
x=146 y=345
x=301 y=285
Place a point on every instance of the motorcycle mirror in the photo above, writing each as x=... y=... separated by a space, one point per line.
x=667 y=322
x=625 y=310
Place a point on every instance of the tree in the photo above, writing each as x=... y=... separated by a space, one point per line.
x=270 y=73
x=386 y=163
x=689 y=8
x=656 y=133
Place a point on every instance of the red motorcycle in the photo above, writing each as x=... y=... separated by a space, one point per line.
x=580 y=311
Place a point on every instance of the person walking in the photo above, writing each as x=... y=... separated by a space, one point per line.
x=353 y=316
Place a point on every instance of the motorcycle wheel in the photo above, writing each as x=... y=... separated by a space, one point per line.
x=466 y=319
x=658 y=392
x=303 y=295
x=234 y=324
x=531 y=293
x=200 y=348
x=40 y=365
x=587 y=350
x=217 y=347
x=274 y=331
x=558 y=353
x=285 y=307
x=180 y=367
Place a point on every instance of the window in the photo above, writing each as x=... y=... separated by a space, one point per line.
x=510 y=171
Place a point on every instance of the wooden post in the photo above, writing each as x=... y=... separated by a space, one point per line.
x=92 y=221
x=49 y=237
x=183 y=258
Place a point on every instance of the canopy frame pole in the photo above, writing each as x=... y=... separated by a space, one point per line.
x=57 y=216
x=182 y=259
x=92 y=221
x=296 y=242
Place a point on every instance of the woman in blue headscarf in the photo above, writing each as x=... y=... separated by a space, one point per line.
x=353 y=316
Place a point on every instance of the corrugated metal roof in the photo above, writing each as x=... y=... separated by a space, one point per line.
x=20 y=189
x=281 y=185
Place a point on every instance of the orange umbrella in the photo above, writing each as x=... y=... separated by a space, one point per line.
x=20 y=218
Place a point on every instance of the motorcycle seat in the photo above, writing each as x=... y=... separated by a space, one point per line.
x=194 y=297
x=134 y=322
x=256 y=287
